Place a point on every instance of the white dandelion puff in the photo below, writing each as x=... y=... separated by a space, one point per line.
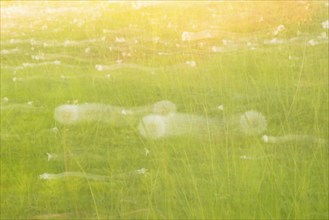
x=153 y=126
x=45 y=176
x=141 y=171
x=91 y=176
x=191 y=63
x=87 y=50
x=67 y=114
x=186 y=36
x=57 y=62
x=116 y=115
x=312 y=42
x=325 y=24
x=265 y=138
x=292 y=137
x=120 y=40
x=99 y=67
x=279 y=29
x=176 y=124
x=252 y=123
x=323 y=35
x=163 y=107
x=55 y=130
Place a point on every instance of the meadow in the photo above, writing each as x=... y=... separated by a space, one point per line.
x=213 y=59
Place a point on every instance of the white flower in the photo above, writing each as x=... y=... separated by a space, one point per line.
x=99 y=67
x=141 y=171
x=216 y=49
x=325 y=24
x=191 y=63
x=126 y=112
x=278 y=29
x=67 y=114
x=274 y=41
x=152 y=126
x=44 y=176
x=120 y=40
x=5 y=99
x=55 y=130
x=67 y=43
x=87 y=50
x=312 y=42
x=265 y=138
x=186 y=36
x=163 y=107
x=323 y=35
x=252 y=123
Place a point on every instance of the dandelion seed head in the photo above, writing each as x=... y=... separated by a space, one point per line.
x=120 y=40
x=142 y=171
x=44 y=176
x=163 y=107
x=55 y=130
x=323 y=35
x=186 y=36
x=191 y=63
x=124 y=112
x=312 y=42
x=152 y=126
x=99 y=67
x=87 y=50
x=67 y=114
x=265 y=138
x=325 y=24
x=252 y=123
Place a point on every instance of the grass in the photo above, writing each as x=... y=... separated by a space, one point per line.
x=188 y=177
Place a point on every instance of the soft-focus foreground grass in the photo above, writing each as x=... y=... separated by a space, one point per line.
x=212 y=176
